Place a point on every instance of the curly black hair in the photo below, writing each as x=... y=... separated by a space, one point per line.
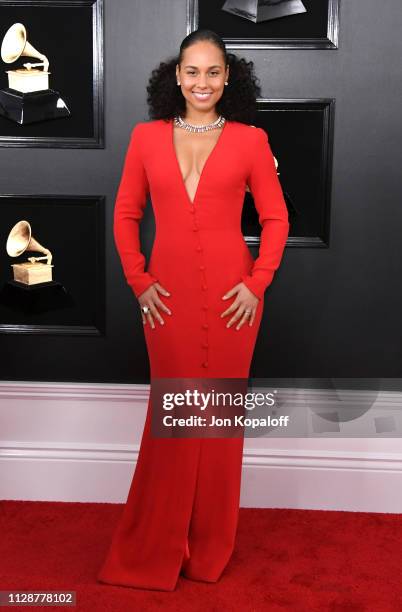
x=238 y=101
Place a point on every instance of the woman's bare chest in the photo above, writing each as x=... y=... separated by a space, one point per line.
x=192 y=152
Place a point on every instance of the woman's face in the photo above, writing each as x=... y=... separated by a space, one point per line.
x=202 y=75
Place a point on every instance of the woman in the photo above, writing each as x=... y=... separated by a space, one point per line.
x=201 y=299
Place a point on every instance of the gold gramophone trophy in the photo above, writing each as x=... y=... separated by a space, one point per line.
x=32 y=289
x=28 y=99
x=29 y=272
x=263 y=10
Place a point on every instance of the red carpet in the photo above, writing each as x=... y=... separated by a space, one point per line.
x=298 y=560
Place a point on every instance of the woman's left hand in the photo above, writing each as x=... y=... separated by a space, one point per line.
x=245 y=305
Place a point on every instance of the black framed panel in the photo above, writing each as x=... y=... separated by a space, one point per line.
x=301 y=134
x=268 y=24
x=71 y=299
x=51 y=78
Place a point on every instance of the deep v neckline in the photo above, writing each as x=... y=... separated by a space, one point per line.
x=218 y=142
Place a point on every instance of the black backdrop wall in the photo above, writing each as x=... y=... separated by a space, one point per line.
x=329 y=312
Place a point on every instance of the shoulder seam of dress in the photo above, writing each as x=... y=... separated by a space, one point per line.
x=262 y=133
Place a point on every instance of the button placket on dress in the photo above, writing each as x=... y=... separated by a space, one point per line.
x=199 y=249
x=200 y=264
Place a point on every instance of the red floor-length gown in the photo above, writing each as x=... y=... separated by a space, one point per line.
x=182 y=508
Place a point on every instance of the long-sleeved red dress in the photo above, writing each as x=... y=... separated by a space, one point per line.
x=182 y=508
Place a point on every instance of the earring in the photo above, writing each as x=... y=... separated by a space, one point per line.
x=226 y=83
x=178 y=82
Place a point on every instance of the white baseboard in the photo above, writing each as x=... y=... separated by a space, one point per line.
x=79 y=442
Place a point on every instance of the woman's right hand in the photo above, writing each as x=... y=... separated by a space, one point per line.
x=151 y=299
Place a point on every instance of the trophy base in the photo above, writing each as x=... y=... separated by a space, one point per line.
x=35 y=299
x=31 y=107
x=257 y=11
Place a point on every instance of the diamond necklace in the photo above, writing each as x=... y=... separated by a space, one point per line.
x=199 y=128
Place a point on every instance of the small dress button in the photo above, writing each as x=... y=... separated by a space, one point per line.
x=204 y=307
x=205 y=364
x=204 y=287
x=202 y=268
x=192 y=210
x=205 y=326
x=195 y=229
x=205 y=345
x=199 y=249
